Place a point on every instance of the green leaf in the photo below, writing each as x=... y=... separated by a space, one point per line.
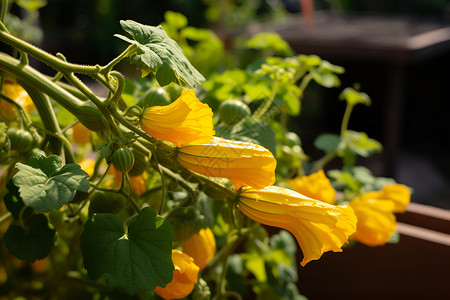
x=358 y=143
x=175 y=20
x=284 y=241
x=14 y=203
x=270 y=41
x=34 y=241
x=31 y=5
x=354 y=97
x=139 y=258
x=255 y=131
x=45 y=185
x=157 y=53
x=327 y=142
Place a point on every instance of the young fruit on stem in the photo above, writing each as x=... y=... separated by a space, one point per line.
x=123 y=159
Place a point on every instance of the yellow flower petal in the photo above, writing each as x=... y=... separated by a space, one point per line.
x=185 y=276
x=317 y=226
x=375 y=211
x=316 y=186
x=183 y=122
x=88 y=165
x=246 y=164
x=201 y=246
x=20 y=96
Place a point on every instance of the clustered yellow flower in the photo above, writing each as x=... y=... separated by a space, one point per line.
x=308 y=212
x=317 y=186
x=375 y=212
x=185 y=276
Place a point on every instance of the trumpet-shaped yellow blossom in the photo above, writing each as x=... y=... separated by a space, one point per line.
x=20 y=96
x=201 y=246
x=316 y=186
x=245 y=164
x=185 y=276
x=317 y=226
x=375 y=211
x=183 y=122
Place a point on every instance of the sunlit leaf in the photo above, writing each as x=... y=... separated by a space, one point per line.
x=157 y=53
x=45 y=185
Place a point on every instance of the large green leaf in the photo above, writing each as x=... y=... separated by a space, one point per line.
x=359 y=143
x=327 y=142
x=45 y=185
x=157 y=53
x=14 y=203
x=139 y=258
x=33 y=241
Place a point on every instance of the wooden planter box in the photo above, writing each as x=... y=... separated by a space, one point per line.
x=418 y=267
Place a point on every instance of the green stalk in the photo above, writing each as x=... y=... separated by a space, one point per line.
x=5 y=218
x=37 y=80
x=346 y=118
x=262 y=109
x=45 y=57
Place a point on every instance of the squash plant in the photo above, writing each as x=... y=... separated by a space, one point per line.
x=101 y=194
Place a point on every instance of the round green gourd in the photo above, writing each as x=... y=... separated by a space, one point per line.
x=158 y=97
x=21 y=140
x=233 y=110
x=123 y=160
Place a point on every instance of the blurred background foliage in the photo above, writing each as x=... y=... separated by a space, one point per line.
x=83 y=29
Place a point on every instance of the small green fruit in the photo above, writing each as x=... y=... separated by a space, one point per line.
x=21 y=140
x=123 y=160
x=156 y=97
x=233 y=110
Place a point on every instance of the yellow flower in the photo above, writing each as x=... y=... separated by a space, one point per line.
x=375 y=213
x=20 y=96
x=201 y=246
x=316 y=186
x=137 y=182
x=183 y=122
x=317 y=226
x=246 y=164
x=185 y=276
x=80 y=134
x=88 y=165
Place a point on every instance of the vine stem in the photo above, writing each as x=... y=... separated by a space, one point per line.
x=5 y=218
x=262 y=110
x=346 y=118
x=233 y=240
x=107 y=69
x=45 y=57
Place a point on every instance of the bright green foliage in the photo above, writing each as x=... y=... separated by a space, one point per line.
x=270 y=41
x=201 y=46
x=133 y=259
x=356 y=180
x=158 y=54
x=359 y=143
x=327 y=142
x=354 y=97
x=45 y=185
